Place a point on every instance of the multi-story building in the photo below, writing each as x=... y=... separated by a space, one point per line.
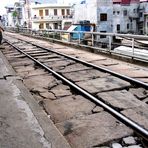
x=143 y=17
x=50 y=16
x=10 y=11
x=99 y=12
x=118 y=16
x=125 y=16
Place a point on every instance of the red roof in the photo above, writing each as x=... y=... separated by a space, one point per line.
x=116 y=1
x=125 y=2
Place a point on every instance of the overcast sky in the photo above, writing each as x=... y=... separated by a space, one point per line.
x=9 y=2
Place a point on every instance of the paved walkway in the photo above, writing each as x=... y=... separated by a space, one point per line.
x=23 y=124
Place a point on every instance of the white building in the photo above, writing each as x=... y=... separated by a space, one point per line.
x=9 y=20
x=99 y=12
x=50 y=16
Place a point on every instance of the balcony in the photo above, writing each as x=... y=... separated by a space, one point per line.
x=133 y=15
x=51 y=18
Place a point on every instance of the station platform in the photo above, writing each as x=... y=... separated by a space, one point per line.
x=23 y=124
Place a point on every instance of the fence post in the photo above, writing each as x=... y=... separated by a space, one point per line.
x=92 y=39
x=133 y=47
x=79 y=37
x=110 y=44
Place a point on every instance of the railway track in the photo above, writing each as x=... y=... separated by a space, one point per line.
x=107 y=91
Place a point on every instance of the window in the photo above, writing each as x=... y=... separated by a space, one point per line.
x=63 y=11
x=103 y=17
x=118 y=27
x=134 y=10
x=41 y=12
x=127 y=26
x=125 y=12
x=47 y=26
x=46 y=12
x=41 y=26
x=114 y=12
x=118 y=12
x=55 y=12
x=68 y=12
x=55 y=25
x=102 y=36
x=140 y=14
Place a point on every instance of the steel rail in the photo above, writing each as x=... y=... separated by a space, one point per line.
x=121 y=76
x=142 y=131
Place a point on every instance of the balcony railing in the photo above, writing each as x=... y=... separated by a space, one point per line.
x=51 y=17
x=134 y=15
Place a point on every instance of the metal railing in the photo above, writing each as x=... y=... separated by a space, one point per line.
x=51 y=17
x=131 y=46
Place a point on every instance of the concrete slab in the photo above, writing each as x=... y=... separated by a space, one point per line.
x=20 y=69
x=66 y=50
x=86 y=56
x=145 y=100
x=61 y=93
x=87 y=74
x=68 y=107
x=105 y=62
x=22 y=63
x=61 y=63
x=74 y=67
x=38 y=83
x=22 y=125
x=34 y=72
x=120 y=99
x=18 y=126
x=90 y=131
x=103 y=84
x=46 y=56
x=140 y=93
x=48 y=95
x=5 y=70
x=138 y=114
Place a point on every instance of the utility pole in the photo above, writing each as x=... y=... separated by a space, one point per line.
x=28 y=13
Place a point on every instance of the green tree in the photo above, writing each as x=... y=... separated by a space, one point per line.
x=15 y=14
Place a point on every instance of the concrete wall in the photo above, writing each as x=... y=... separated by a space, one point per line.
x=85 y=12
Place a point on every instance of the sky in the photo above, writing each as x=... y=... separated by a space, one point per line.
x=11 y=2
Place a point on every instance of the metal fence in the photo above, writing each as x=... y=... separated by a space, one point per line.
x=131 y=46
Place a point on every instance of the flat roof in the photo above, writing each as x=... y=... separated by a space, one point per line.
x=50 y=6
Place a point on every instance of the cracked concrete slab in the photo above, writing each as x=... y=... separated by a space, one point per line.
x=103 y=84
x=87 y=74
x=38 y=83
x=74 y=67
x=23 y=125
x=93 y=130
x=61 y=63
x=68 y=107
x=140 y=93
x=139 y=115
x=21 y=69
x=22 y=63
x=120 y=99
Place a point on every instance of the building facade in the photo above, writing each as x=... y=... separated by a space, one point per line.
x=117 y=16
x=50 y=16
x=125 y=16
